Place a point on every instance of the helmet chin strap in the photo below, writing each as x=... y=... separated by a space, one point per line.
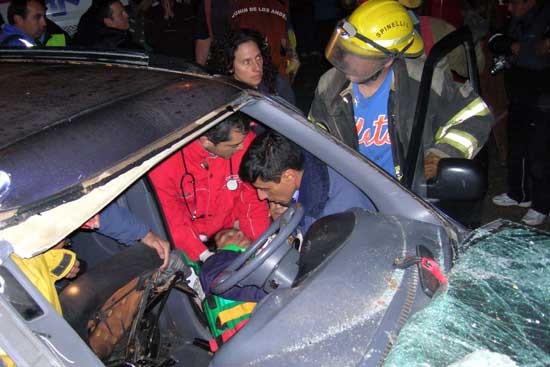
x=374 y=76
x=392 y=56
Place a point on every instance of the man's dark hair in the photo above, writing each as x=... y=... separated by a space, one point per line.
x=269 y=155
x=102 y=9
x=220 y=133
x=19 y=7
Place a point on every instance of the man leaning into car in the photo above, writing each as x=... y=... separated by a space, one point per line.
x=200 y=192
x=281 y=172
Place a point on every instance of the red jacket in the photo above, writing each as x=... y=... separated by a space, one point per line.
x=216 y=207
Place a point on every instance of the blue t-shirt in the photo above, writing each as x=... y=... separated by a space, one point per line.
x=371 y=122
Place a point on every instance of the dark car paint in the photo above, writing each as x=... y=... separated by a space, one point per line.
x=86 y=112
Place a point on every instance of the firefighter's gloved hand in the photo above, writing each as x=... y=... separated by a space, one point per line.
x=431 y=161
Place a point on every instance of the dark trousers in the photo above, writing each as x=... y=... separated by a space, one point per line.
x=529 y=154
x=92 y=289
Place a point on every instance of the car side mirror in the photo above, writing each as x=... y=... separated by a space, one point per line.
x=458 y=179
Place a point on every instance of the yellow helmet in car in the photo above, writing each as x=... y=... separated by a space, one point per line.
x=411 y=4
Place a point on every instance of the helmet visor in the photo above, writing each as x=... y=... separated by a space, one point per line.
x=357 y=67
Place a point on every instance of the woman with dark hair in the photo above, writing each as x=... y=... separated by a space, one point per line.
x=244 y=54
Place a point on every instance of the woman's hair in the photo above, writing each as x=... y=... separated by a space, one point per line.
x=223 y=55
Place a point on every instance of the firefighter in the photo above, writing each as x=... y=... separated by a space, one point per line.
x=368 y=99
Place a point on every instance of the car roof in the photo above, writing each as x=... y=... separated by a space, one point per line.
x=71 y=123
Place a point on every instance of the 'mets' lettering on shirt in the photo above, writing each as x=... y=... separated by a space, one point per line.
x=379 y=137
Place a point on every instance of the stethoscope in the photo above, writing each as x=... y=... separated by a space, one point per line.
x=232 y=183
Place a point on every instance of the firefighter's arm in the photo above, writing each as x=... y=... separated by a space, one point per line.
x=318 y=109
x=462 y=122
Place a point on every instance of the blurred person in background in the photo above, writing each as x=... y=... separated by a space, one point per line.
x=523 y=54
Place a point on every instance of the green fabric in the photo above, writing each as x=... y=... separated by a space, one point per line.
x=233 y=247
x=213 y=305
x=56 y=40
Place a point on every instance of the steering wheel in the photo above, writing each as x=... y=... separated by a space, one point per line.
x=256 y=254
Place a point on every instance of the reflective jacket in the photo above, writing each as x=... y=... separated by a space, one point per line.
x=45 y=269
x=458 y=121
x=11 y=36
x=216 y=206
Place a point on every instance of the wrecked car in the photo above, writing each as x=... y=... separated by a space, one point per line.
x=81 y=130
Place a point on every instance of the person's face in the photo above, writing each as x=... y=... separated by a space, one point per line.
x=519 y=8
x=34 y=24
x=226 y=149
x=360 y=70
x=248 y=64
x=231 y=236
x=278 y=192
x=119 y=18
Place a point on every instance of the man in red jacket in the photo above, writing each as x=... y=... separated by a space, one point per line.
x=200 y=191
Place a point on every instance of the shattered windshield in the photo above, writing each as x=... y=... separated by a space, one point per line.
x=495 y=309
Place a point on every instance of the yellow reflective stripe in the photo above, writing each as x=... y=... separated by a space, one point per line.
x=5 y=360
x=292 y=39
x=462 y=141
x=398 y=173
x=476 y=108
x=236 y=312
x=318 y=123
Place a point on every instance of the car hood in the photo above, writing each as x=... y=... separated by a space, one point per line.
x=75 y=135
